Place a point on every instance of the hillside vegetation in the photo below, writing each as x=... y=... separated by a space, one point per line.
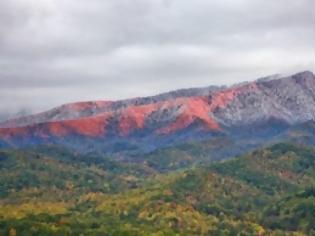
x=53 y=191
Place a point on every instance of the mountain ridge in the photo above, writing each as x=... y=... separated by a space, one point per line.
x=98 y=105
x=186 y=113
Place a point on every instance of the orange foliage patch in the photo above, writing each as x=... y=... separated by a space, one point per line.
x=134 y=117
x=191 y=109
x=186 y=112
x=200 y=108
x=91 y=126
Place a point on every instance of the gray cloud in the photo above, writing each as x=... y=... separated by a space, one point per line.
x=55 y=51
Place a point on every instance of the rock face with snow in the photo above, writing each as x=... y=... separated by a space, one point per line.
x=290 y=99
x=180 y=115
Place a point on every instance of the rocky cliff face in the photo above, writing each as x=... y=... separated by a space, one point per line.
x=290 y=99
x=179 y=115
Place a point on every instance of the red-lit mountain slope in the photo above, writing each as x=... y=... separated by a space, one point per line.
x=290 y=100
x=94 y=118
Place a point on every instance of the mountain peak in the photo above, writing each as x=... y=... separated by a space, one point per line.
x=270 y=77
x=304 y=75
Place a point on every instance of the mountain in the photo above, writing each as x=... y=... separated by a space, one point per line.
x=154 y=165
x=55 y=191
x=250 y=113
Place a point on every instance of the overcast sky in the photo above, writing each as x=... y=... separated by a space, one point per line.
x=59 y=51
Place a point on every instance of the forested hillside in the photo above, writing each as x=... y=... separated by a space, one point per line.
x=53 y=191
